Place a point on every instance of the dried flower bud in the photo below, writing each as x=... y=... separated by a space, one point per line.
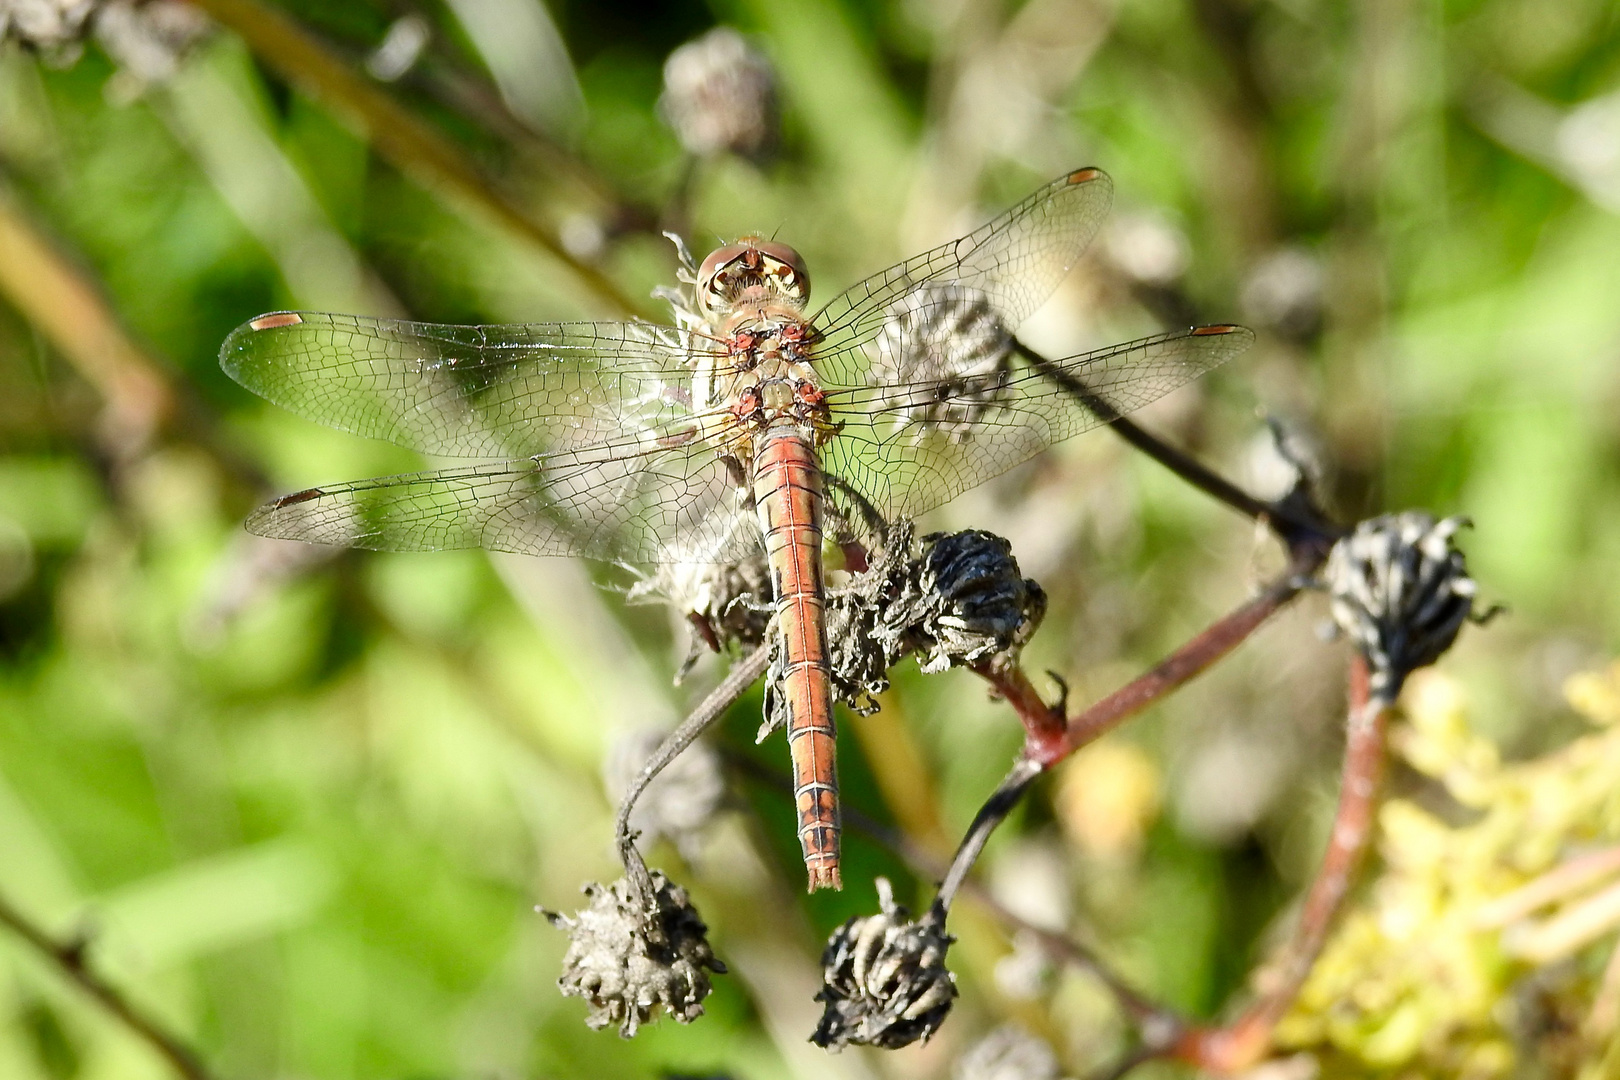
x=627 y=960
x=149 y=40
x=953 y=598
x=720 y=96
x=967 y=603
x=884 y=980
x=146 y=40
x=680 y=800
x=1007 y=1053
x=725 y=603
x=53 y=28
x=944 y=357
x=1401 y=593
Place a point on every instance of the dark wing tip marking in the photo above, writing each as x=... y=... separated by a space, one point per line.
x=1082 y=176
x=1211 y=331
x=275 y=319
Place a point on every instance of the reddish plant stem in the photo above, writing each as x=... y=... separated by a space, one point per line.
x=1050 y=736
x=69 y=959
x=1243 y=1042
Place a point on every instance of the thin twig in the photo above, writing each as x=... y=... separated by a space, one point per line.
x=1296 y=522
x=712 y=708
x=1159 y=1026
x=990 y=815
x=394 y=131
x=69 y=959
x=1244 y=1041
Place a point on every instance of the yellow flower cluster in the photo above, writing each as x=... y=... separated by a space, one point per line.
x=1483 y=945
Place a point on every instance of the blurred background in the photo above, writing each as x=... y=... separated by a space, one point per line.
x=303 y=803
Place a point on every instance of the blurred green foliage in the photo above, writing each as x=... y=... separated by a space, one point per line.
x=305 y=807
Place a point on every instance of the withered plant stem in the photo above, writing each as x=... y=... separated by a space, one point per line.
x=1297 y=524
x=990 y=815
x=69 y=958
x=711 y=709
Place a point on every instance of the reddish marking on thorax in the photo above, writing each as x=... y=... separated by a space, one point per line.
x=788 y=496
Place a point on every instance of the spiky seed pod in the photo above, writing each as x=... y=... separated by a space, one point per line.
x=53 y=28
x=1401 y=592
x=884 y=980
x=946 y=357
x=628 y=961
x=953 y=599
x=147 y=40
x=720 y=96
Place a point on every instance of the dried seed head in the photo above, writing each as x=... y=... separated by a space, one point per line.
x=724 y=603
x=884 y=980
x=720 y=96
x=969 y=602
x=148 y=40
x=1007 y=1053
x=954 y=599
x=627 y=960
x=680 y=801
x=945 y=358
x=1401 y=592
x=53 y=28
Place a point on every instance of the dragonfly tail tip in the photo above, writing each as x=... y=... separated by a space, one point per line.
x=825 y=877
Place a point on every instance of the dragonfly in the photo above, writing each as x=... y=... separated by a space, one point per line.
x=747 y=425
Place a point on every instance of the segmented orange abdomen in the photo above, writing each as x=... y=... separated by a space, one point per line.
x=787 y=496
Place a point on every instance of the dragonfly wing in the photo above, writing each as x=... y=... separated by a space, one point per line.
x=466 y=391
x=907 y=447
x=1015 y=262
x=628 y=503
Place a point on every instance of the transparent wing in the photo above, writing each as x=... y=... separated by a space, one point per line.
x=1014 y=261
x=467 y=391
x=626 y=502
x=970 y=404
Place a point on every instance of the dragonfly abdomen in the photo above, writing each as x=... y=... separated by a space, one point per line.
x=788 y=496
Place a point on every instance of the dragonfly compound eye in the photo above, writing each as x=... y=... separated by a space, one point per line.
x=788 y=266
x=753 y=270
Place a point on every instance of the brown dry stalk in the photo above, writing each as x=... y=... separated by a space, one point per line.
x=394 y=131
x=69 y=959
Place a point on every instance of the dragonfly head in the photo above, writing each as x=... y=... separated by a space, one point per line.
x=752 y=272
